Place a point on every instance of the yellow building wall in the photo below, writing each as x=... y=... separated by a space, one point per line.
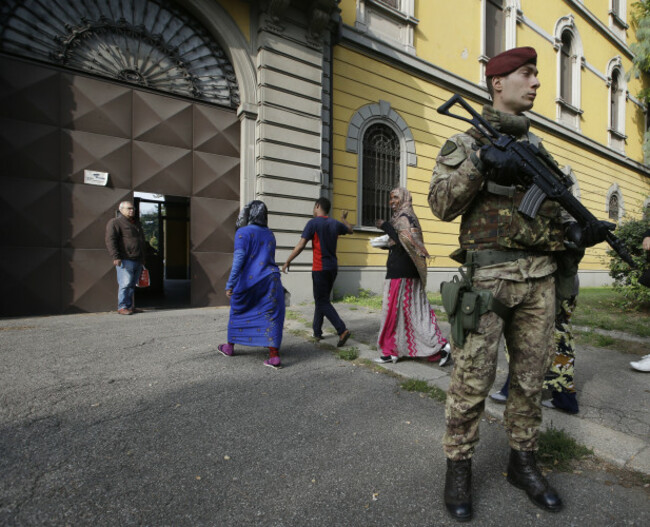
x=456 y=47
x=239 y=10
x=359 y=80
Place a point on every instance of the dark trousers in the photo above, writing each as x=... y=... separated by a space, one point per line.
x=323 y=283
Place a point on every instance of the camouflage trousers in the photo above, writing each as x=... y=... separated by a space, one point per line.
x=529 y=336
x=560 y=377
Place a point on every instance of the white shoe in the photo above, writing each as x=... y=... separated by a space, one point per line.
x=446 y=354
x=642 y=365
x=498 y=397
x=385 y=359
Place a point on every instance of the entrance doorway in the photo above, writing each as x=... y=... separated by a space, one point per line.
x=166 y=223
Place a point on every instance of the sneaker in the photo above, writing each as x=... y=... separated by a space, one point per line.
x=317 y=337
x=499 y=397
x=641 y=365
x=226 y=349
x=445 y=354
x=385 y=359
x=124 y=311
x=273 y=362
x=343 y=338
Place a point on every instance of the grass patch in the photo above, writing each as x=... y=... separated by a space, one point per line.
x=434 y=299
x=348 y=354
x=591 y=338
x=557 y=449
x=292 y=315
x=364 y=298
x=603 y=308
x=414 y=385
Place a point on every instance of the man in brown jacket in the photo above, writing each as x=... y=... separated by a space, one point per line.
x=125 y=243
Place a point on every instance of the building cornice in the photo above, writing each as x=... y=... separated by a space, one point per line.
x=369 y=45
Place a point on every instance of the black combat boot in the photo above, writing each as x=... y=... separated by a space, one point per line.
x=458 y=489
x=524 y=474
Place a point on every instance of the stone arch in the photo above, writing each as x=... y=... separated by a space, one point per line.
x=380 y=112
x=154 y=44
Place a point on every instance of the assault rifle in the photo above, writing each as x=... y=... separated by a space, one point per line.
x=546 y=181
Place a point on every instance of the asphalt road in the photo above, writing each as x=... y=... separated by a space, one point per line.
x=113 y=420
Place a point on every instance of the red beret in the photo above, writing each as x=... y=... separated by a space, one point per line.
x=510 y=60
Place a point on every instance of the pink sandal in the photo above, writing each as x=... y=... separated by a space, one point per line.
x=226 y=349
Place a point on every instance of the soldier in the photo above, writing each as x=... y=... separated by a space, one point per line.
x=514 y=258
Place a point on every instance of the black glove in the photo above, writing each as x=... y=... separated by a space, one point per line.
x=501 y=166
x=589 y=235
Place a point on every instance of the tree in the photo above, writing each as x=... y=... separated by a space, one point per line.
x=641 y=50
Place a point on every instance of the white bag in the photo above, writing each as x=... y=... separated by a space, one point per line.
x=380 y=242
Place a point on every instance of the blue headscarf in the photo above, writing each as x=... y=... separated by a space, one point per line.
x=255 y=212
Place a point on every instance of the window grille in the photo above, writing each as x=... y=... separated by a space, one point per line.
x=381 y=170
x=613 y=207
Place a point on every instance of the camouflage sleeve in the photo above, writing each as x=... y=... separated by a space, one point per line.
x=456 y=179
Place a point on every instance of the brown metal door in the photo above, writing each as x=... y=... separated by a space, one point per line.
x=53 y=126
x=215 y=202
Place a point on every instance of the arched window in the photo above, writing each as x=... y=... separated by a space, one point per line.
x=499 y=29
x=495 y=22
x=566 y=70
x=380 y=172
x=613 y=207
x=617 y=98
x=569 y=64
x=385 y=148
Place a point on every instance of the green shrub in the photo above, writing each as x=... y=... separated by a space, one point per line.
x=626 y=279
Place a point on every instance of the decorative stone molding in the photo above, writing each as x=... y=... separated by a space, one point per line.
x=382 y=112
x=135 y=44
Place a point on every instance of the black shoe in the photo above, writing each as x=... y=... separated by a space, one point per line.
x=343 y=338
x=317 y=337
x=458 y=489
x=524 y=474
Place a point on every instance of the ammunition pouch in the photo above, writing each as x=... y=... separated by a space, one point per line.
x=465 y=305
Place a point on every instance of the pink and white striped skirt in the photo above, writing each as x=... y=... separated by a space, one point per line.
x=409 y=326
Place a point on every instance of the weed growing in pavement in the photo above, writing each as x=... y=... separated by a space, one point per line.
x=364 y=298
x=348 y=353
x=557 y=449
x=414 y=385
x=292 y=315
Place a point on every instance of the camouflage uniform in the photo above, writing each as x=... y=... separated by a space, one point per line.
x=523 y=281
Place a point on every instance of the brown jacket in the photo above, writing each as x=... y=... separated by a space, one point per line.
x=124 y=239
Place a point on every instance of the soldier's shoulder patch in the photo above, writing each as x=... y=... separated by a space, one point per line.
x=448 y=148
x=452 y=153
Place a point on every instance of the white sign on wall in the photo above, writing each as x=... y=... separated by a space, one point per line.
x=92 y=177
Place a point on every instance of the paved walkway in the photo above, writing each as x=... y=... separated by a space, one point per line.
x=614 y=399
x=110 y=420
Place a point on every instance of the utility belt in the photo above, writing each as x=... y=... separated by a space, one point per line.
x=464 y=304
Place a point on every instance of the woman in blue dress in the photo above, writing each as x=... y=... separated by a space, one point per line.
x=254 y=287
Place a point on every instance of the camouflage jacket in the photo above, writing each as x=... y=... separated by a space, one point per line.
x=490 y=215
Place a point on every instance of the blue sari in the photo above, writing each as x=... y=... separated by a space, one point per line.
x=257 y=303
